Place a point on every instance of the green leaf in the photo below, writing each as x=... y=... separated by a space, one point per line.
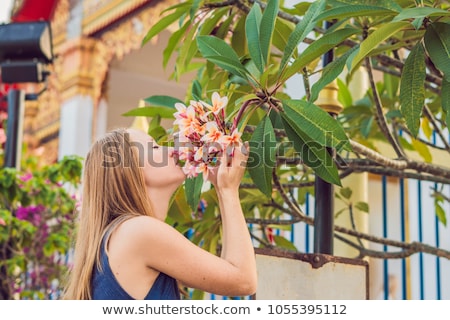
x=238 y=39
x=363 y=206
x=163 y=23
x=417 y=23
x=420 y=12
x=163 y=112
x=282 y=242
x=267 y=28
x=229 y=65
x=302 y=29
x=329 y=73
x=187 y=50
x=388 y=4
x=252 y=31
x=445 y=98
x=437 y=43
x=391 y=83
x=440 y=213
x=193 y=187
x=196 y=90
x=346 y=192
x=316 y=123
x=354 y=10
x=412 y=90
x=261 y=161
x=220 y=53
x=213 y=46
x=210 y=24
x=281 y=33
x=162 y=101
x=422 y=149
x=344 y=94
x=377 y=37
x=173 y=42
x=317 y=49
x=313 y=154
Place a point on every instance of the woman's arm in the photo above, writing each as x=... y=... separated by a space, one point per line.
x=163 y=248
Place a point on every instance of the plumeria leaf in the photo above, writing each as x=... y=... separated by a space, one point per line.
x=317 y=49
x=213 y=46
x=261 y=160
x=412 y=90
x=316 y=123
x=437 y=43
x=163 y=112
x=229 y=65
x=282 y=242
x=196 y=90
x=331 y=72
x=440 y=213
x=193 y=187
x=420 y=12
x=164 y=22
x=219 y=52
x=388 y=4
x=302 y=29
x=162 y=101
x=252 y=31
x=313 y=154
x=422 y=149
x=445 y=97
x=173 y=42
x=354 y=10
x=377 y=37
x=267 y=28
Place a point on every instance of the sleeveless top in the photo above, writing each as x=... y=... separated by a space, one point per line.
x=104 y=285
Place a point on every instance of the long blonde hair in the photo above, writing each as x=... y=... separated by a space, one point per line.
x=113 y=191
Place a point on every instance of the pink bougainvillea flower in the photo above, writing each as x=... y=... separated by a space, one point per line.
x=2 y=136
x=26 y=177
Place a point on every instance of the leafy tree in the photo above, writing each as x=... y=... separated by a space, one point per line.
x=249 y=49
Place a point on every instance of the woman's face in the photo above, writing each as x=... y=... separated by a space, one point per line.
x=159 y=165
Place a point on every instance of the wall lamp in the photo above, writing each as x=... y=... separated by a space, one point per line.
x=25 y=51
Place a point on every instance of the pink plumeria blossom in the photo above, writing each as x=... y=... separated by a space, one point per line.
x=218 y=103
x=232 y=140
x=213 y=132
x=201 y=136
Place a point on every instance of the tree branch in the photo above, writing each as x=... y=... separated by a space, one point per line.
x=381 y=119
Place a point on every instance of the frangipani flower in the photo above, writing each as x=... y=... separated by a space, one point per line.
x=201 y=135
x=218 y=103
x=232 y=140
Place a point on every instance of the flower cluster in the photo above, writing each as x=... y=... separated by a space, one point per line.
x=202 y=135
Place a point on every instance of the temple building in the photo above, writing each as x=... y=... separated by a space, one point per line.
x=100 y=71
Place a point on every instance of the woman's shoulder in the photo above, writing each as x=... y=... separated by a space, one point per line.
x=140 y=224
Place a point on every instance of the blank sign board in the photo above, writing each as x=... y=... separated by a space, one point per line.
x=296 y=276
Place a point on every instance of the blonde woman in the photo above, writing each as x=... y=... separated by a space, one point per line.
x=125 y=250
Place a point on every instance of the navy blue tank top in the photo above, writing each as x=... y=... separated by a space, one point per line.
x=105 y=286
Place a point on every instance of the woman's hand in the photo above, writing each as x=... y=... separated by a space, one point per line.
x=230 y=169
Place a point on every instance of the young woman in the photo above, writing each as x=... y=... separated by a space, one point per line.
x=125 y=250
